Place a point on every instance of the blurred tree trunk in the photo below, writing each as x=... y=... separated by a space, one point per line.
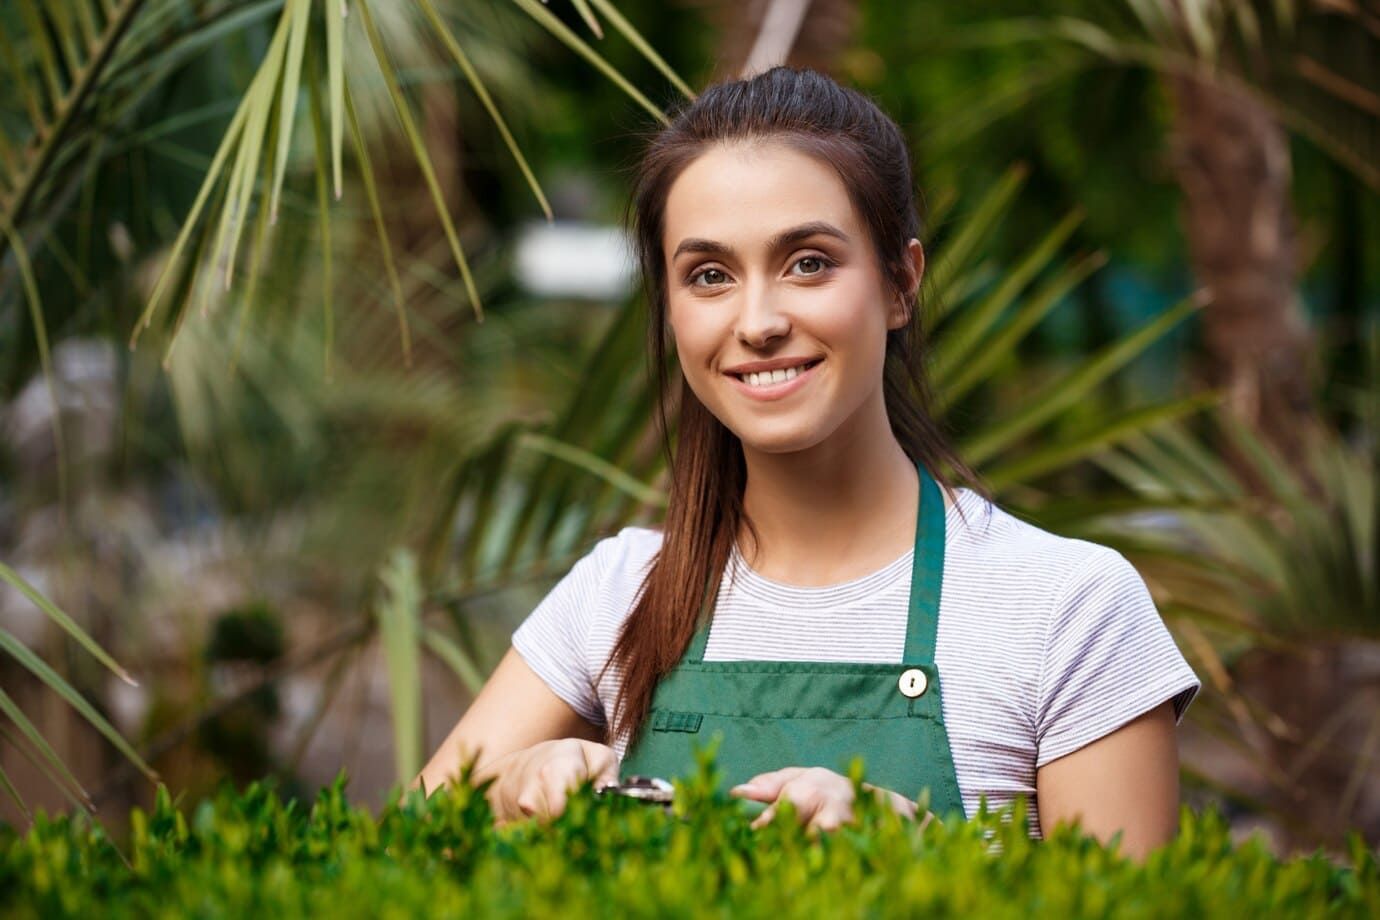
x=1231 y=160
x=801 y=33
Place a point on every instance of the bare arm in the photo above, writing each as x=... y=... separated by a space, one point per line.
x=1126 y=781
x=514 y=710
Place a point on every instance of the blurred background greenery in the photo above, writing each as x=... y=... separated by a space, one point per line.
x=306 y=531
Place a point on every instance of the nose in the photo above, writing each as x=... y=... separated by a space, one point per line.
x=760 y=321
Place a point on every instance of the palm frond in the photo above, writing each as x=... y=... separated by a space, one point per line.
x=44 y=757
x=55 y=114
x=1306 y=551
x=399 y=619
x=75 y=58
x=1312 y=65
x=1049 y=401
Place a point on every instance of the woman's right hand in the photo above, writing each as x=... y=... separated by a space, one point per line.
x=535 y=781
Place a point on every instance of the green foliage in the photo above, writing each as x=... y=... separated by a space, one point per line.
x=253 y=854
x=99 y=98
x=239 y=737
x=253 y=632
x=399 y=612
x=37 y=748
x=1301 y=546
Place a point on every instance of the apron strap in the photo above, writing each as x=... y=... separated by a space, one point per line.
x=926 y=576
x=695 y=653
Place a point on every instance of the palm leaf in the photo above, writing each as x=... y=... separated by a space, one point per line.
x=459 y=661
x=399 y=617
x=563 y=33
x=963 y=334
x=635 y=38
x=414 y=137
x=62 y=688
x=31 y=295
x=1002 y=345
x=53 y=119
x=287 y=106
x=376 y=212
x=83 y=59
x=1274 y=52
x=1300 y=570
x=595 y=466
x=13 y=793
x=463 y=61
x=68 y=625
x=46 y=759
x=1041 y=407
x=1049 y=457
x=335 y=69
x=957 y=252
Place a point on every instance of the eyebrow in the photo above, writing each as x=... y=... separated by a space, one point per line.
x=783 y=239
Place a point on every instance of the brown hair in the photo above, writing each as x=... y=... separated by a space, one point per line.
x=845 y=129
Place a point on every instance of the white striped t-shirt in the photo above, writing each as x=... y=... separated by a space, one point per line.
x=1044 y=645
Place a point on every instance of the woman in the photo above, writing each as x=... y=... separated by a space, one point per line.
x=815 y=593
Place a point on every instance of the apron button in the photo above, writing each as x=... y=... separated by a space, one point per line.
x=913 y=682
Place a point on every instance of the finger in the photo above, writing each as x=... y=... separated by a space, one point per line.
x=528 y=802
x=807 y=798
x=537 y=800
x=833 y=816
x=764 y=818
x=555 y=796
x=903 y=806
x=601 y=764
x=766 y=787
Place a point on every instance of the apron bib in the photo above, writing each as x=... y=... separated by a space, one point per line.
x=775 y=714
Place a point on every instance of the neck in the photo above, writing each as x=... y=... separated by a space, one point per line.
x=834 y=512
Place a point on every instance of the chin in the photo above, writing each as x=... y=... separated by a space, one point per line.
x=772 y=440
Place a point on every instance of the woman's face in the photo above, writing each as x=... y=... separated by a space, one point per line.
x=777 y=304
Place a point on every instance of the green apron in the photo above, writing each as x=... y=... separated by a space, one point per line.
x=775 y=714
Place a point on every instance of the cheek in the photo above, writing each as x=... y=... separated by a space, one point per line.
x=695 y=332
x=854 y=322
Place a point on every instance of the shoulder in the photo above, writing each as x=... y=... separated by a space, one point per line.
x=626 y=555
x=1015 y=559
x=1071 y=623
x=608 y=578
x=566 y=638
x=602 y=584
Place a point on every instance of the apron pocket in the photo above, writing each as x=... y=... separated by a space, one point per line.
x=667 y=721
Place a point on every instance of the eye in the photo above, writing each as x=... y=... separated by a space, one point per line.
x=710 y=276
x=811 y=265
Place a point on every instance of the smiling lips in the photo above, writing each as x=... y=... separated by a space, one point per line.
x=775 y=379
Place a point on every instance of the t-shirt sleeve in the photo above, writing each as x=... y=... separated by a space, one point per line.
x=552 y=640
x=1108 y=658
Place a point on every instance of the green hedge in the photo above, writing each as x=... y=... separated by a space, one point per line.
x=250 y=853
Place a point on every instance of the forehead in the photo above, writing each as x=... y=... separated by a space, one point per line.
x=742 y=194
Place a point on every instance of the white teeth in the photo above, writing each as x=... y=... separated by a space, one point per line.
x=767 y=378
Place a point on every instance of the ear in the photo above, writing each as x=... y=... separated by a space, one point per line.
x=914 y=266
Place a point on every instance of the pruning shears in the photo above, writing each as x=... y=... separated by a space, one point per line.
x=650 y=789
x=656 y=791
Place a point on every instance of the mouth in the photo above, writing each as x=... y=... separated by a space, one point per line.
x=775 y=382
x=766 y=378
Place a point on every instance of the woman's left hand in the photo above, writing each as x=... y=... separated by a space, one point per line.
x=823 y=799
